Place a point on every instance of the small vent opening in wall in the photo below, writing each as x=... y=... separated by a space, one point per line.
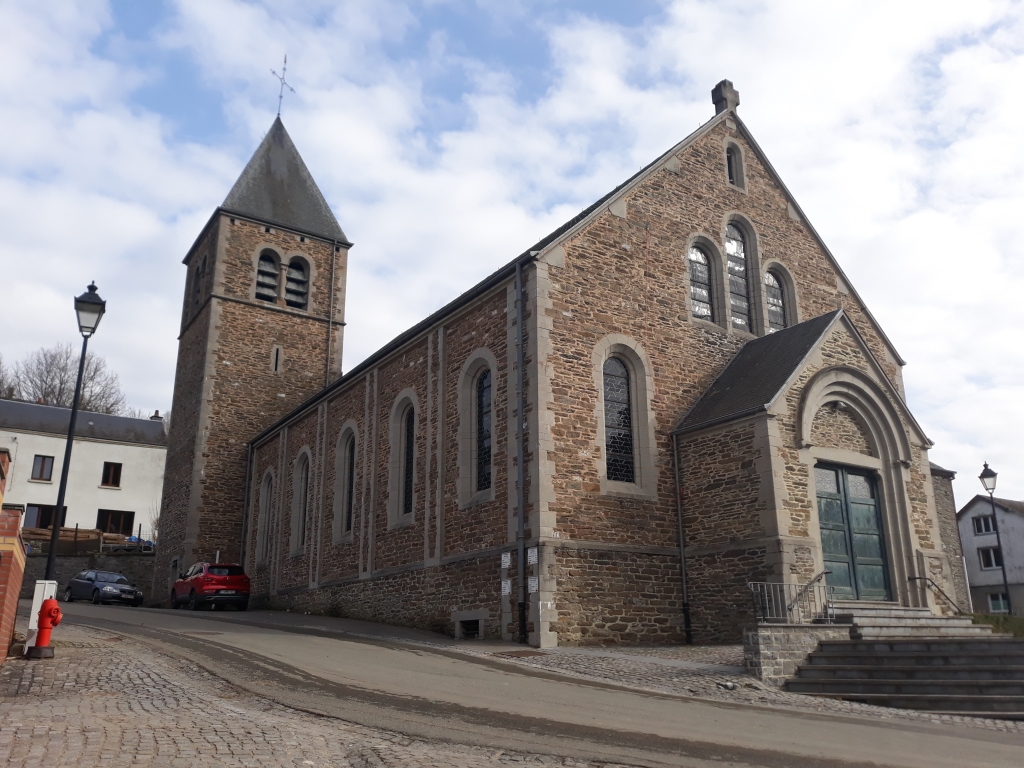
x=470 y=629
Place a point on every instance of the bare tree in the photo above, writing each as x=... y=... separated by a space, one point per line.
x=8 y=382
x=49 y=374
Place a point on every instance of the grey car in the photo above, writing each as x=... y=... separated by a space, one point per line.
x=102 y=587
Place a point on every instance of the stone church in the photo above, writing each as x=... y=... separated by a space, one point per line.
x=674 y=394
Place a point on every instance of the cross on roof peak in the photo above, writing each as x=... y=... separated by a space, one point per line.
x=284 y=83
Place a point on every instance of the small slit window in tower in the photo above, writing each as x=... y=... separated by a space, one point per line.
x=734 y=166
x=700 y=285
x=776 y=302
x=618 y=422
x=296 y=289
x=267 y=277
x=483 y=431
x=739 y=293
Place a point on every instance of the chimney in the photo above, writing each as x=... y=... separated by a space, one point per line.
x=156 y=416
x=725 y=97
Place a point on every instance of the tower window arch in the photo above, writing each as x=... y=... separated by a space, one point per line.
x=775 y=296
x=296 y=288
x=734 y=165
x=620 y=457
x=268 y=276
x=408 y=458
x=702 y=303
x=300 y=503
x=483 y=430
x=739 y=284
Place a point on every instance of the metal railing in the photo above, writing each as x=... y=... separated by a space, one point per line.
x=811 y=603
x=960 y=611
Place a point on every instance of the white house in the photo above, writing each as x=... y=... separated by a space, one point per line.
x=985 y=557
x=117 y=467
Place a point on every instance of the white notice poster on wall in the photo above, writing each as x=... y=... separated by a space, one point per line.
x=531 y=556
x=534 y=584
x=506 y=586
x=506 y=559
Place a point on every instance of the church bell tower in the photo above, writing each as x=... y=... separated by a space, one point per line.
x=262 y=326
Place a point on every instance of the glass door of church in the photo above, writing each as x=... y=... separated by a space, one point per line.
x=852 y=544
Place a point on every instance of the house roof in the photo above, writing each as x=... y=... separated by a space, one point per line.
x=757 y=374
x=276 y=187
x=53 y=420
x=941 y=471
x=1007 y=505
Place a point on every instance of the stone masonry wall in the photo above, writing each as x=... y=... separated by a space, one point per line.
x=833 y=428
x=773 y=652
x=137 y=568
x=949 y=533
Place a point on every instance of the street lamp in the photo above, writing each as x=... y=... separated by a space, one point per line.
x=988 y=482
x=90 y=308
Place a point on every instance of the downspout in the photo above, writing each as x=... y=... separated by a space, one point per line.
x=687 y=628
x=520 y=455
x=330 y=314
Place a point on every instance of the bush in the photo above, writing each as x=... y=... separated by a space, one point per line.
x=1010 y=625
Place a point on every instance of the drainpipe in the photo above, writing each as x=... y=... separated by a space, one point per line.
x=520 y=455
x=687 y=628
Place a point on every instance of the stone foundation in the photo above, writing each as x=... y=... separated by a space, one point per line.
x=772 y=652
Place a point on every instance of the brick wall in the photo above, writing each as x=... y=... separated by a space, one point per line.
x=12 y=564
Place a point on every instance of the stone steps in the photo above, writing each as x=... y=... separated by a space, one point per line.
x=912 y=672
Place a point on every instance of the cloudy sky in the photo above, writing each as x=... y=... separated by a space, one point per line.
x=448 y=136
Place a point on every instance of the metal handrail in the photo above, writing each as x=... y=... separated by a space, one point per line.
x=939 y=589
x=780 y=603
x=803 y=590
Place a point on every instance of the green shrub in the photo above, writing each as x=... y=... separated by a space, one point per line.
x=1010 y=625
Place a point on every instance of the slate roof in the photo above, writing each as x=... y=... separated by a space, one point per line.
x=937 y=470
x=754 y=378
x=277 y=188
x=1009 y=505
x=51 y=420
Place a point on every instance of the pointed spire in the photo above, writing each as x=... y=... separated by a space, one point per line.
x=277 y=188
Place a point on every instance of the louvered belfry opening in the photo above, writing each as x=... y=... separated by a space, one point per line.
x=267 y=277
x=618 y=422
x=296 y=288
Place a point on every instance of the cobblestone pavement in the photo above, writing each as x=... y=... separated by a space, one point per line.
x=105 y=701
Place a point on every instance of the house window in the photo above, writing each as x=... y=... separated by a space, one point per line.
x=408 y=456
x=999 y=603
x=41 y=515
x=267 y=277
x=111 y=475
x=984 y=524
x=300 y=503
x=701 y=301
x=739 y=293
x=618 y=422
x=263 y=519
x=991 y=557
x=350 y=478
x=42 y=468
x=296 y=288
x=776 y=302
x=734 y=165
x=483 y=431
x=115 y=521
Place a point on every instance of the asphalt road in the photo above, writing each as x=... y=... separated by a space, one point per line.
x=439 y=693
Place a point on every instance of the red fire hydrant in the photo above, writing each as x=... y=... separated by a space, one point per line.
x=49 y=617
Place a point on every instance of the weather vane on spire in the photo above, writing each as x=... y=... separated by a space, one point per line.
x=284 y=84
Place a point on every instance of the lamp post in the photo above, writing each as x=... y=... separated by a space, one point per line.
x=90 y=308
x=988 y=482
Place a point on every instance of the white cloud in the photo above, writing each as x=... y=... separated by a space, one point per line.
x=893 y=124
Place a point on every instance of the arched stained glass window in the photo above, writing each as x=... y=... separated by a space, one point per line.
x=408 y=455
x=350 y=481
x=701 y=301
x=776 y=302
x=618 y=422
x=301 y=508
x=739 y=290
x=483 y=431
x=296 y=287
x=267 y=277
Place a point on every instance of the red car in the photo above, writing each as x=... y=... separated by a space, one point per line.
x=216 y=584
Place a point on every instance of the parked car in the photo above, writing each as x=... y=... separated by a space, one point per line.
x=213 y=584
x=102 y=587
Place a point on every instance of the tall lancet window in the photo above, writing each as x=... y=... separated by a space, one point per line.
x=483 y=431
x=739 y=289
x=350 y=481
x=296 y=288
x=776 y=302
x=267 y=276
x=408 y=457
x=300 y=503
x=701 y=302
x=618 y=422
